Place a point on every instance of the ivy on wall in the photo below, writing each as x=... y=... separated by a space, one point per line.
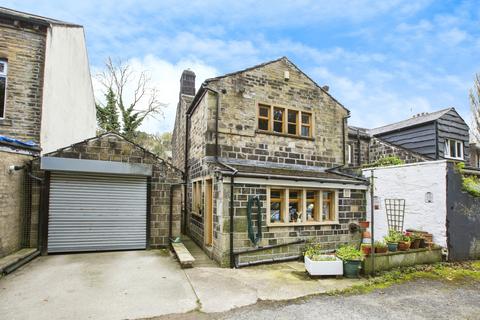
x=470 y=183
x=385 y=162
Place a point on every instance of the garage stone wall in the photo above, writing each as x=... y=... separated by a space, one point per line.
x=12 y=201
x=113 y=147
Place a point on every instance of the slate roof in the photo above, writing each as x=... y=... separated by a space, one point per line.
x=301 y=174
x=420 y=119
x=32 y=18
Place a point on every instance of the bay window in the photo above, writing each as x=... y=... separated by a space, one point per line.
x=301 y=206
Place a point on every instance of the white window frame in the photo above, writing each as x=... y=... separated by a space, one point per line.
x=4 y=75
x=349 y=153
x=448 y=143
x=303 y=201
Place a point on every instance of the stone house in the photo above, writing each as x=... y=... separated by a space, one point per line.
x=438 y=135
x=46 y=102
x=260 y=150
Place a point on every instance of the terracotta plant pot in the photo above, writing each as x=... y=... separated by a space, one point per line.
x=366 y=234
x=364 y=224
x=381 y=249
x=367 y=249
x=403 y=245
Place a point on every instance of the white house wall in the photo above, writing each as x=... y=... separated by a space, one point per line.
x=68 y=107
x=411 y=182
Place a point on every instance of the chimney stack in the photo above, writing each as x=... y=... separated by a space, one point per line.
x=187 y=82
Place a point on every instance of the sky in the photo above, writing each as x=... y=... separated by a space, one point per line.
x=384 y=60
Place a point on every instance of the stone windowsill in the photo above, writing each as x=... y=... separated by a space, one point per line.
x=5 y=122
x=302 y=224
x=286 y=135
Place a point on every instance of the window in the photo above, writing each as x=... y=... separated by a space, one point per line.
x=306 y=124
x=264 y=117
x=292 y=121
x=301 y=206
x=328 y=211
x=276 y=208
x=3 y=87
x=453 y=149
x=349 y=154
x=278 y=119
x=197 y=207
x=285 y=121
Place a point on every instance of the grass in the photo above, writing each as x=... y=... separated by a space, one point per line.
x=453 y=271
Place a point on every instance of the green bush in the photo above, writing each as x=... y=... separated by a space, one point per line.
x=380 y=244
x=470 y=184
x=385 y=162
x=393 y=236
x=349 y=253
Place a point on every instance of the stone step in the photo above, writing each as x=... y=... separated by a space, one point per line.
x=184 y=257
x=8 y=263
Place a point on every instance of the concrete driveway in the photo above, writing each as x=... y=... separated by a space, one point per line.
x=110 y=285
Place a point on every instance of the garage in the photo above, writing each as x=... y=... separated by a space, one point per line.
x=92 y=212
x=104 y=194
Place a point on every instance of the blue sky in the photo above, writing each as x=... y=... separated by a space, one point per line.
x=384 y=60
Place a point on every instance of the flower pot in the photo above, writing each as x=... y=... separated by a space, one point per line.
x=423 y=243
x=364 y=224
x=415 y=244
x=351 y=268
x=366 y=235
x=324 y=268
x=403 y=245
x=381 y=249
x=392 y=246
x=367 y=249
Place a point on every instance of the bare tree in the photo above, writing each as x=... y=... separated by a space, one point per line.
x=133 y=95
x=475 y=107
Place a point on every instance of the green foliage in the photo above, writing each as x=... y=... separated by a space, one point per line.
x=107 y=114
x=380 y=244
x=349 y=253
x=393 y=236
x=313 y=249
x=470 y=183
x=159 y=143
x=385 y=162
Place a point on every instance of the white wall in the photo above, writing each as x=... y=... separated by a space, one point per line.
x=68 y=108
x=411 y=182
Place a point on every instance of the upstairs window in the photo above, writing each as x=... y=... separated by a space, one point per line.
x=349 y=154
x=3 y=86
x=453 y=149
x=285 y=121
x=197 y=207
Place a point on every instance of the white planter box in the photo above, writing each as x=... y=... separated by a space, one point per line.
x=324 y=268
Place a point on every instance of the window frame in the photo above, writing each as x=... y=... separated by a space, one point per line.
x=4 y=74
x=447 y=147
x=302 y=205
x=285 y=121
x=349 y=153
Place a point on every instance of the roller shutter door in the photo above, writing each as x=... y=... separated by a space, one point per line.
x=93 y=212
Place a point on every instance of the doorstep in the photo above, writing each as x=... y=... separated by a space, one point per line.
x=7 y=263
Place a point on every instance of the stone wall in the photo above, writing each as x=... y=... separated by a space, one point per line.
x=12 y=203
x=111 y=147
x=362 y=143
x=25 y=50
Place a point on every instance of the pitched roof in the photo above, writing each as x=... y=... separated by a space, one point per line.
x=325 y=176
x=32 y=18
x=204 y=85
x=419 y=119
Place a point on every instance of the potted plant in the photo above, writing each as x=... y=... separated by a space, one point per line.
x=352 y=260
x=416 y=239
x=392 y=240
x=380 y=247
x=364 y=224
x=317 y=263
x=366 y=248
x=404 y=243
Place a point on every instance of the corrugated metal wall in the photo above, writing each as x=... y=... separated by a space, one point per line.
x=92 y=212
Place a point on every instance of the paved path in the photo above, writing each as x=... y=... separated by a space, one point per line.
x=422 y=299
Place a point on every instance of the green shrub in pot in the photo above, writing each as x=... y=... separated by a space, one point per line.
x=392 y=240
x=352 y=260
